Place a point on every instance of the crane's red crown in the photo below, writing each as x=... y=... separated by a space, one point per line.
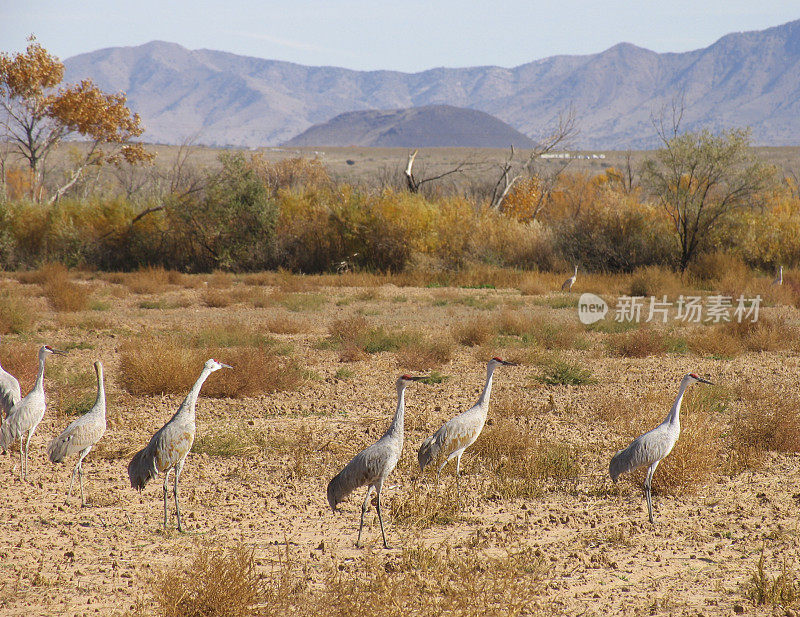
x=407 y=377
x=498 y=358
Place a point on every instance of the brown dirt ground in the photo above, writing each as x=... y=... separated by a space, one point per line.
x=605 y=558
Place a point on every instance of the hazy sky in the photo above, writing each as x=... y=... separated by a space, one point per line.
x=406 y=35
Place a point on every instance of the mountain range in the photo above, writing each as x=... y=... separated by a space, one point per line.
x=218 y=98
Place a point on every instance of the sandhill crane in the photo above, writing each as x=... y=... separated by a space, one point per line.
x=567 y=285
x=168 y=448
x=373 y=464
x=25 y=416
x=459 y=433
x=779 y=280
x=82 y=434
x=9 y=393
x=651 y=447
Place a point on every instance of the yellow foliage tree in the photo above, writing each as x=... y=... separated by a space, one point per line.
x=36 y=118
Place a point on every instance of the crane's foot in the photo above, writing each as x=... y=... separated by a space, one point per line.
x=386 y=545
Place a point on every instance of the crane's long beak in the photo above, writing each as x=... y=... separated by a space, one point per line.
x=509 y=363
x=57 y=351
x=701 y=380
x=223 y=365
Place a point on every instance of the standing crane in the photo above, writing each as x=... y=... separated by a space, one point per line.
x=567 y=285
x=373 y=464
x=81 y=435
x=25 y=416
x=779 y=280
x=654 y=445
x=459 y=433
x=10 y=394
x=168 y=448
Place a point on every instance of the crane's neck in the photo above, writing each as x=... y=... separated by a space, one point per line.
x=483 y=401
x=576 y=271
x=398 y=421
x=674 y=414
x=100 y=401
x=39 y=385
x=188 y=406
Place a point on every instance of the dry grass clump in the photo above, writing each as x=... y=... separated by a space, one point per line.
x=215 y=583
x=781 y=590
x=20 y=359
x=354 y=337
x=240 y=441
x=644 y=342
x=16 y=314
x=423 y=353
x=558 y=371
x=766 y=334
x=472 y=332
x=519 y=463
x=769 y=421
x=714 y=341
x=149 y=280
x=283 y=324
x=217 y=298
x=63 y=294
x=426 y=506
x=656 y=281
x=165 y=365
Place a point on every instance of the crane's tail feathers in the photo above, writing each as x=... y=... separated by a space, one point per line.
x=620 y=463
x=57 y=449
x=428 y=451
x=6 y=437
x=141 y=469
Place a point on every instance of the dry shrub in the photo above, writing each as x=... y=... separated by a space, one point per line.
x=770 y=421
x=424 y=353
x=63 y=294
x=165 y=365
x=476 y=331
x=638 y=343
x=714 y=341
x=519 y=463
x=21 y=360
x=16 y=314
x=150 y=280
x=763 y=335
x=218 y=584
x=283 y=324
x=425 y=507
x=656 y=281
x=216 y=298
x=534 y=285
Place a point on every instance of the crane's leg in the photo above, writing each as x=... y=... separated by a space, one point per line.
x=458 y=473
x=21 y=462
x=380 y=516
x=71 y=481
x=27 y=445
x=166 y=479
x=80 y=472
x=364 y=507
x=648 y=483
x=178 y=469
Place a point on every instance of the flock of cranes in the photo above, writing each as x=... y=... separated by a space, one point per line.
x=168 y=447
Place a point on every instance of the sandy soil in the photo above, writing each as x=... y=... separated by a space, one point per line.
x=58 y=558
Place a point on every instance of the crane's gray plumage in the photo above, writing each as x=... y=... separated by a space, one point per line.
x=373 y=464
x=25 y=416
x=653 y=446
x=168 y=448
x=457 y=434
x=567 y=285
x=82 y=434
x=10 y=393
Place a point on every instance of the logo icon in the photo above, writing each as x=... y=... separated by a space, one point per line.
x=591 y=308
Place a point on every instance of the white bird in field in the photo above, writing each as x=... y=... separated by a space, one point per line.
x=10 y=393
x=459 y=433
x=654 y=445
x=81 y=435
x=373 y=464
x=168 y=448
x=25 y=416
x=779 y=280
x=567 y=285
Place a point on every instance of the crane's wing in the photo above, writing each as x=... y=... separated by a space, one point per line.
x=646 y=449
x=363 y=469
x=10 y=393
x=82 y=433
x=455 y=434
